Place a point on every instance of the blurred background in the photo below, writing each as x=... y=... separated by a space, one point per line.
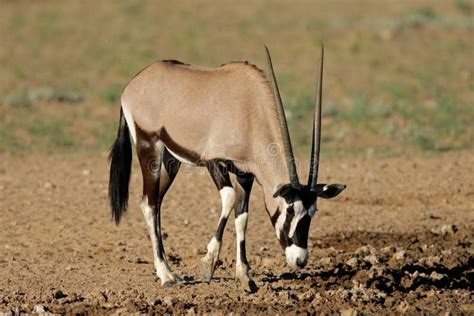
x=398 y=74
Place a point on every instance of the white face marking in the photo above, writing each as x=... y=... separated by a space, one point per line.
x=295 y=254
x=130 y=122
x=280 y=222
x=181 y=159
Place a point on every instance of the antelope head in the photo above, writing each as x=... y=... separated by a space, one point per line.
x=297 y=202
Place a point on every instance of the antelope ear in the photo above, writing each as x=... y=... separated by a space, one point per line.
x=284 y=190
x=328 y=191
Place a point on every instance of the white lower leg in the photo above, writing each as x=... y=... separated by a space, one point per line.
x=228 y=202
x=163 y=271
x=240 y=229
x=214 y=246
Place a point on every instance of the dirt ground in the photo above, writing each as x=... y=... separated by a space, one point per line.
x=398 y=239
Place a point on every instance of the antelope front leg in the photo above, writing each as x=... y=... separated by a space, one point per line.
x=209 y=261
x=241 y=217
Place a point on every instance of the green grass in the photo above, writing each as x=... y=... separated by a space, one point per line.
x=397 y=77
x=445 y=124
x=26 y=96
x=52 y=133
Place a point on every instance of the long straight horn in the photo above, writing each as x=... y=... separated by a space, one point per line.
x=290 y=160
x=316 y=144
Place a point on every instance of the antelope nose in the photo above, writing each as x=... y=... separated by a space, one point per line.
x=296 y=257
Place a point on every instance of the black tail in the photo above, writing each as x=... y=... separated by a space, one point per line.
x=120 y=158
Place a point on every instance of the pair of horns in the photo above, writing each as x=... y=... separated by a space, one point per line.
x=316 y=142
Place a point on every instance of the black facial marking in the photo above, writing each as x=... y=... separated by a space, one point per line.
x=300 y=237
x=284 y=240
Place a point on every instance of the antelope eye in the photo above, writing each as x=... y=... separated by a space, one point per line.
x=290 y=209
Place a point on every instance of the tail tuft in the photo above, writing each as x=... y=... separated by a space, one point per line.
x=120 y=158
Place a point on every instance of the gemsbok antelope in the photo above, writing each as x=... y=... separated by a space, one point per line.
x=230 y=120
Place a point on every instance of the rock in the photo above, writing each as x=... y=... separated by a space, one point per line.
x=316 y=300
x=445 y=230
x=39 y=309
x=59 y=294
x=324 y=262
x=352 y=262
x=372 y=259
x=399 y=255
x=365 y=250
x=49 y=185
x=306 y=296
x=348 y=312
x=332 y=251
x=168 y=301
x=388 y=250
x=403 y=307
x=435 y=276
x=429 y=261
x=85 y=172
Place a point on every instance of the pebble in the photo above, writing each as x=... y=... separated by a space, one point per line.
x=435 y=276
x=59 y=294
x=399 y=255
x=86 y=172
x=388 y=250
x=365 y=250
x=324 y=262
x=38 y=309
x=445 y=230
x=352 y=262
x=348 y=312
x=168 y=301
x=49 y=185
x=372 y=259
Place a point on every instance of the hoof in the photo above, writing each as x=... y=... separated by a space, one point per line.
x=168 y=284
x=171 y=281
x=207 y=269
x=248 y=285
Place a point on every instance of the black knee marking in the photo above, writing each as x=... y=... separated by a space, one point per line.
x=245 y=182
x=219 y=174
x=220 y=229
